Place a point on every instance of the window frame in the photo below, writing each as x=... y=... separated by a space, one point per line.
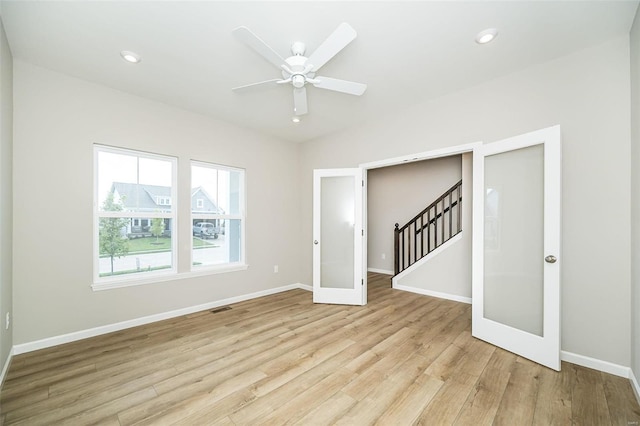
x=241 y=216
x=114 y=281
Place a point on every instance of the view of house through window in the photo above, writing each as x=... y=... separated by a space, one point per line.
x=134 y=213
x=217 y=214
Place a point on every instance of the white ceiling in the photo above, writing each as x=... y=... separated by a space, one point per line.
x=406 y=52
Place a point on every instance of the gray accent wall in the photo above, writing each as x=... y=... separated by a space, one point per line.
x=6 y=196
x=397 y=194
x=447 y=273
x=587 y=94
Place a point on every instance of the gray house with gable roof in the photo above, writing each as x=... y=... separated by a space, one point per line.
x=154 y=198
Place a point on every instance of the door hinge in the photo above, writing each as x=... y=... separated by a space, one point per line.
x=363 y=183
x=363 y=232
x=362 y=281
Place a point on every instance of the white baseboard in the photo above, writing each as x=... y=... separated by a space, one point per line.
x=596 y=364
x=6 y=368
x=437 y=294
x=304 y=287
x=380 y=271
x=97 y=331
x=634 y=385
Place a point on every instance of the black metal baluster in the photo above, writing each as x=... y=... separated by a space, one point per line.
x=396 y=250
x=450 y=213
x=442 y=230
x=429 y=231
x=459 y=206
x=404 y=254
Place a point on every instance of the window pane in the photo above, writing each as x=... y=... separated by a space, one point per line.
x=218 y=246
x=236 y=188
x=132 y=246
x=133 y=182
x=217 y=191
x=220 y=189
x=205 y=187
x=128 y=182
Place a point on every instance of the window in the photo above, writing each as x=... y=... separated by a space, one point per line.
x=163 y=201
x=133 y=231
x=218 y=222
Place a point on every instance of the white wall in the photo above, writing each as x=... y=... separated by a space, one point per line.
x=396 y=194
x=587 y=93
x=57 y=119
x=635 y=193
x=6 y=197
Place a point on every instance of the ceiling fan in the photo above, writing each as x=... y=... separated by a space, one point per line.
x=299 y=69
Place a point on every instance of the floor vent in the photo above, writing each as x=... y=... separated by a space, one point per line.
x=224 y=308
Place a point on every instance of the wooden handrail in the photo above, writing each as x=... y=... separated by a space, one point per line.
x=409 y=240
x=455 y=203
x=430 y=206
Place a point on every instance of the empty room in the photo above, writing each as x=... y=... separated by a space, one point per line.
x=319 y=212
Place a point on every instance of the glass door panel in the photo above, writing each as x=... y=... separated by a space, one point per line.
x=338 y=237
x=337 y=218
x=514 y=238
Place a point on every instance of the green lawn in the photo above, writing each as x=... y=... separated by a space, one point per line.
x=153 y=245
x=149 y=244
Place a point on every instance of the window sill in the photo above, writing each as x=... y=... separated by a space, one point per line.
x=108 y=285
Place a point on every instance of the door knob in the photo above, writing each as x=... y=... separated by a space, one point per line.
x=315 y=241
x=550 y=259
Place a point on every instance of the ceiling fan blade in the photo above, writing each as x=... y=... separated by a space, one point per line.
x=338 y=40
x=273 y=82
x=344 y=86
x=299 y=101
x=246 y=36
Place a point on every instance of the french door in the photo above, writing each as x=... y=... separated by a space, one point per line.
x=516 y=245
x=338 y=237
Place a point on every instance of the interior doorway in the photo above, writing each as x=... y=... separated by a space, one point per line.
x=397 y=190
x=395 y=195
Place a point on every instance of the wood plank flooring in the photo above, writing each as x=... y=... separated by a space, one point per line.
x=402 y=359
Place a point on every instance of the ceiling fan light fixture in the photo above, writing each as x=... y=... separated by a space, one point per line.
x=130 y=57
x=300 y=70
x=298 y=81
x=486 y=36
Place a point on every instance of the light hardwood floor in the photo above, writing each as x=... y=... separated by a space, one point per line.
x=402 y=359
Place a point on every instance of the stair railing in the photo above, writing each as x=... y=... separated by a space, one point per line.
x=429 y=229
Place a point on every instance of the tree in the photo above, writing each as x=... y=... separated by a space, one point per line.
x=157 y=227
x=111 y=238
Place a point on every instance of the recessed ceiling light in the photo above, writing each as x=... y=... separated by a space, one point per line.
x=129 y=56
x=295 y=119
x=486 y=36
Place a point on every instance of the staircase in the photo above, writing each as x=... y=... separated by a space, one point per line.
x=429 y=229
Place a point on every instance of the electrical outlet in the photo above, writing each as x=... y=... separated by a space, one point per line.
x=384 y=256
x=275 y=269
x=7 y=321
